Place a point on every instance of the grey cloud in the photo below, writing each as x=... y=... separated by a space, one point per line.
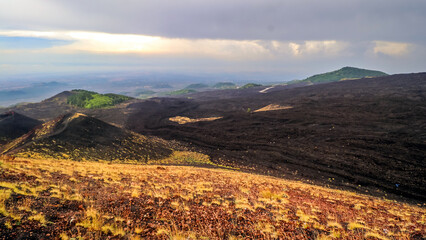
x=356 y=22
x=289 y=20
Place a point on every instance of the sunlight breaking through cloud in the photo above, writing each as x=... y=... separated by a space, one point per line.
x=391 y=48
x=325 y=48
x=96 y=42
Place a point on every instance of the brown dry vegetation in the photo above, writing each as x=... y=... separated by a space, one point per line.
x=272 y=107
x=60 y=199
x=184 y=120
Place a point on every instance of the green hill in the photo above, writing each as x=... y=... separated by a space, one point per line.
x=250 y=85
x=88 y=99
x=197 y=86
x=143 y=93
x=346 y=73
x=180 y=92
x=224 y=85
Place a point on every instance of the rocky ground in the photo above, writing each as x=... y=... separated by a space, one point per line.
x=367 y=135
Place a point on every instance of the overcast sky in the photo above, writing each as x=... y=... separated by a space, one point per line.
x=292 y=37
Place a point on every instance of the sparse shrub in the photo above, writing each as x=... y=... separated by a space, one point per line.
x=114 y=229
x=375 y=236
x=4 y=195
x=250 y=85
x=92 y=221
x=38 y=217
x=181 y=92
x=334 y=225
x=64 y=236
x=8 y=225
x=356 y=225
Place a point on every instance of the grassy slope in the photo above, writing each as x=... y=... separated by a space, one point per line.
x=250 y=85
x=180 y=92
x=197 y=86
x=225 y=85
x=53 y=198
x=88 y=99
x=345 y=73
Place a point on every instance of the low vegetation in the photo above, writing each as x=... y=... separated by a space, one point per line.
x=225 y=85
x=197 y=86
x=250 y=85
x=44 y=199
x=345 y=73
x=88 y=99
x=180 y=92
x=143 y=93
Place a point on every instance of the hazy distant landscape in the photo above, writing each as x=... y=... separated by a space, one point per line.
x=141 y=85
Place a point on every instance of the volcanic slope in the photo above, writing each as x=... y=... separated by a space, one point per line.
x=59 y=199
x=13 y=125
x=79 y=137
x=367 y=134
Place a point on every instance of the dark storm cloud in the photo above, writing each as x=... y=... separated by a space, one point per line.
x=290 y=20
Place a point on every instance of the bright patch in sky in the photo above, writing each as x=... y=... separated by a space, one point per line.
x=391 y=48
x=49 y=50
x=100 y=43
x=16 y=42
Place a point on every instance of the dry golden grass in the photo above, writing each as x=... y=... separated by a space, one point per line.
x=127 y=201
x=185 y=120
x=272 y=107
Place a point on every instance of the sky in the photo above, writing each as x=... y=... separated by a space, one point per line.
x=294 y=38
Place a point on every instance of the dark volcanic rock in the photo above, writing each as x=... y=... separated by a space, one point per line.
x=13 y=125
x=367 y=135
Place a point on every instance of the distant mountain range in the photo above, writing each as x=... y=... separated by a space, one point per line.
x=31 y=92
x=34 y=92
